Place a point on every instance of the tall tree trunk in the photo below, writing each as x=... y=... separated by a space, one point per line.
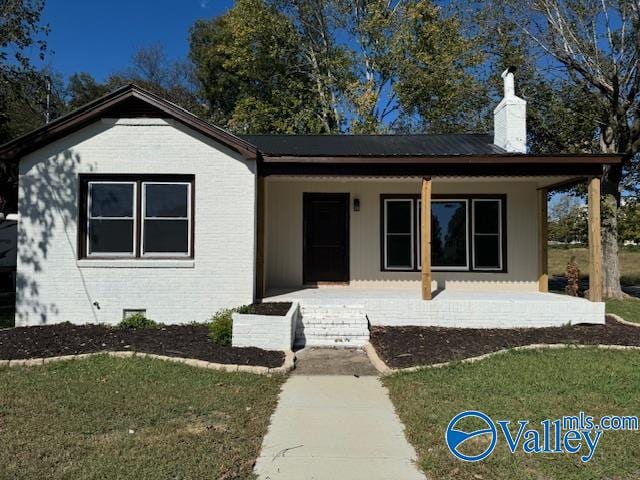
x=610 y=191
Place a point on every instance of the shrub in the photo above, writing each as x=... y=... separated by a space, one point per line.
x=221 y=326
x=137 y=320
x=573 y=278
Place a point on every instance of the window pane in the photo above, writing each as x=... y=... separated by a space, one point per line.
x=166 y=236
x=110 y=236
x=399 y=251
x=486 y=216
x=164 y=200
x=111 y=199
x=399 y=216
x=448 y=234
x=487 y=251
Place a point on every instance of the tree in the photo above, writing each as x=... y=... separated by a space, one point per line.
x=329 y=63
x=568 y=220
x=593 y=45
x=150 y=69
x=365 y=66
x=83 y=88
x=629 y=220
x=251 y=66
x=21 y=85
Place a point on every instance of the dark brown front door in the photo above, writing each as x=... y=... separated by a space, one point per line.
x=326 y=237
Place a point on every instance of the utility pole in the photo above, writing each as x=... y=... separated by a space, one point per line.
x=47 y=112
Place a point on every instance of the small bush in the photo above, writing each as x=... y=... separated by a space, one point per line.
x=221 y=326
x=137 y=320
x=573 y=278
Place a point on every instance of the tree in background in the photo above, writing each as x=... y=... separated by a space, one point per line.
x=253 y=74
x=591 y=47
x=325 y=66
x=22 y=87
x=629 y=220
x=150 y=69
x=568 y=220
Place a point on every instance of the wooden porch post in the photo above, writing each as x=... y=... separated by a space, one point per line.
x=260 y=238
x=426 y=238
x=543 y=238
x=595 y=239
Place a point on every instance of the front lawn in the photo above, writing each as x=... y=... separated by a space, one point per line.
x=629 y=259
x=529 y=386
x=629 y=310
x=131 y=418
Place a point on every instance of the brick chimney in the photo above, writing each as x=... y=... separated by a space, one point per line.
x=510 y=118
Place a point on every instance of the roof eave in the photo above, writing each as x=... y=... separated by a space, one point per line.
x=17 y=148
x=497 y=158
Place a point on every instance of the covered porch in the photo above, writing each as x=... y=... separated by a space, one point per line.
x=487 y=269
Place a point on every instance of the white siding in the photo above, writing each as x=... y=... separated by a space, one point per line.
x=284 y=232
x=52 y=286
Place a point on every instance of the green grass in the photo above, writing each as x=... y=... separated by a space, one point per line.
x=629 y=310
x=629 y=262
x=73 y=420
x=529 y=386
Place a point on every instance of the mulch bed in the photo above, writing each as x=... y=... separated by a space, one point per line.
x=402 y=347
x=270 y=308
x=187 y=341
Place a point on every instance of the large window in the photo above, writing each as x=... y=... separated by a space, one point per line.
x=466 y=233
x=136 y=216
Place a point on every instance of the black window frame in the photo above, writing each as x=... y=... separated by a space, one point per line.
x=469 y=198
x=138 y=180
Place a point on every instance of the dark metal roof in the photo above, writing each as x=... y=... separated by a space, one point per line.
x=374 y=145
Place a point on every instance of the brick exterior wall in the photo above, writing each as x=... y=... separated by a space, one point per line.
x=53 y=286
x=270 y=332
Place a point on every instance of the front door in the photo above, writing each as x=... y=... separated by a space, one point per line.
x=325 y=237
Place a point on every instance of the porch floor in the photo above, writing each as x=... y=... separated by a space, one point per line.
x=451 y=308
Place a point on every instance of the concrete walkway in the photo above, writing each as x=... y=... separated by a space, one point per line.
x=333 y=361
x=335 y=427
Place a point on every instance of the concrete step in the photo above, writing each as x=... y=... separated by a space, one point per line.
x=333 y=321
x=327 y=332
x=332 y=326
x=334 y=342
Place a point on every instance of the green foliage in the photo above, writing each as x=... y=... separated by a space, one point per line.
x=250 y=64
x=629 y=221
x=435 y=66
x=221 y=326
x=568 y=220
x=137 y=320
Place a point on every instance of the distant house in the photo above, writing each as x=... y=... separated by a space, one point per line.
x=132 y=203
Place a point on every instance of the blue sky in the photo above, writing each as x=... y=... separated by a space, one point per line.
x=99 y=37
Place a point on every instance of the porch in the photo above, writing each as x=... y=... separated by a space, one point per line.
x=456 y=308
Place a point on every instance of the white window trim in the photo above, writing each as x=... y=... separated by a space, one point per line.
x=143 y=253
x=412 y=234
x=500 y=240
x=131 y=254
x=466 y=267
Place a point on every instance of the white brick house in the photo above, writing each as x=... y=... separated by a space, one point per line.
x=131 y=203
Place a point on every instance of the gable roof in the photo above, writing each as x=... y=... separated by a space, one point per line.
x=126 y=102
x=374 y=145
